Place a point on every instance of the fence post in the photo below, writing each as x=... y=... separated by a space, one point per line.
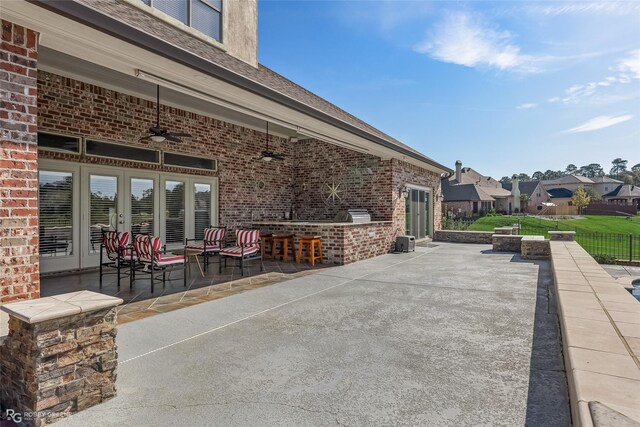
x=630 y=247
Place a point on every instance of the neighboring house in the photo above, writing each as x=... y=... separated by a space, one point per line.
x=603 y=184
x=569 y=182
x=535 y=193
x=79 y=85
x=469 y=193
x=624 y=194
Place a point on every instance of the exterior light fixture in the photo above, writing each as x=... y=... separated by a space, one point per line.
x=267 y=158
x=157 y=138
x=406 y=191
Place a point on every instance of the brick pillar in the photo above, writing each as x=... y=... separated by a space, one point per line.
x=19 y=270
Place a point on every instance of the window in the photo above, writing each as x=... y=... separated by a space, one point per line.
x=142 y=204
x=190 y=161
x=175 y=204
x=202 y=208
x=202 y=15
x=49 y=141
x=55 y=196
x=105 y=149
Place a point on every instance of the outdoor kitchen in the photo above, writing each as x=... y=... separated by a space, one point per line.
x=349 y=237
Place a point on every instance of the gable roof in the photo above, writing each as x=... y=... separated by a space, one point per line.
x=568 y=179
x=526 y=187
x=603 y=179
x=559 y=193
x=473 y=187
x=141 y=29
x=464 y=192
x=624 y=191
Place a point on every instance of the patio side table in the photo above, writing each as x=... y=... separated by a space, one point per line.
x=189 y=254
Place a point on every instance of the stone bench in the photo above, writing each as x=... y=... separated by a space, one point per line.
x=505 y=230
x=506 y=242
x=535 y=247
x=60 y=355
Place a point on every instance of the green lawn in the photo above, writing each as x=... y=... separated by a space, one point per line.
x=590 y=224
x=601 y=236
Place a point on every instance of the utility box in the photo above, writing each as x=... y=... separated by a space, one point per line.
x=405 y=243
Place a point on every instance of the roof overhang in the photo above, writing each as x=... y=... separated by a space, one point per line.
x=78 y=30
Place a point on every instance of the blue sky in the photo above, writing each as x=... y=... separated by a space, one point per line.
x=504 y=86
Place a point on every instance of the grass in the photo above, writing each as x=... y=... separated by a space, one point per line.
x=602 y=236
x=590 y=224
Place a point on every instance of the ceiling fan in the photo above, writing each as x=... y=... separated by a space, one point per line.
x=159 y=134
x=268 y=155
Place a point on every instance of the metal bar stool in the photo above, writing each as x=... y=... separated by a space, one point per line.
x=310 y=254
x=280 y=246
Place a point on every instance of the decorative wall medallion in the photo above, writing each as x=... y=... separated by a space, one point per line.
x=260 y=185
x=332 y=191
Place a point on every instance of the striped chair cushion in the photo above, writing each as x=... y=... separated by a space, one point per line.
x=214 y=235
x=139 y=244
x=162 y=259
x=145 y=245
x=110 y=242
x=200 y=245
x=247 y=237
x=239 y=251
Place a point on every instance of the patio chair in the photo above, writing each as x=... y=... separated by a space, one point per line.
x=117 y=246
x=212 y=242
x=246 y=248
x=151 y=258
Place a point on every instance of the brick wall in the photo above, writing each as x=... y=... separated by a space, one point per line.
x=364 y=181
x=76 y=108
x=459 y=209
x=19 y=274
x=406 y=173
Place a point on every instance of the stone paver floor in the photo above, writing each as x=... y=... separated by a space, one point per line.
x=452 y=335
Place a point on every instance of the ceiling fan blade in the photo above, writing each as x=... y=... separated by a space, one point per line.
x=180 y=134
x=157 y=130
x=278 y=157
x=171 y=137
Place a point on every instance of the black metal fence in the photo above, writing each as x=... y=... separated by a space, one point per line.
x=614 y=246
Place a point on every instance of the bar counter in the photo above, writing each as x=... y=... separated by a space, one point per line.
x=342 y=242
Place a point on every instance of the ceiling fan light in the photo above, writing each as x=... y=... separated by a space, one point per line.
x=267 y=158
x=158 y=138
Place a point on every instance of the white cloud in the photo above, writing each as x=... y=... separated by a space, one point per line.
x=626 y=70
x=527 y=106
x=630 y=64
x=600 y=122
x=609 y=7
x=464 y=39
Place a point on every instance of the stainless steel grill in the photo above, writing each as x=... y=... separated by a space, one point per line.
x=353 y=215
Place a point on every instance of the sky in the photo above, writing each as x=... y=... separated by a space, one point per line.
x=506 y=87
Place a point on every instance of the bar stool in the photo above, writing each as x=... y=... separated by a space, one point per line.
x=310 y=254
x=280 y=246
x=267 y=240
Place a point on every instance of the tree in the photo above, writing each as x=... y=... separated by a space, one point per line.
x=592 y=170
x=619 y=167
x=580 y=198
x=549 y=174
x=593 y=194
x=505 y=180
x=524 y=177
x=635 y=168
x=538 y=176
x=570 y=169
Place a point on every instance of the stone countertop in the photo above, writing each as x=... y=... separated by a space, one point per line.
x=48 y=308
x=319 y=223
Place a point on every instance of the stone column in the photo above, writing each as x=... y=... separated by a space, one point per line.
x=19 y=273
x=59 y=357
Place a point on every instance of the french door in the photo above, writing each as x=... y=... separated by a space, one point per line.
x=77 y=202
x=419 y=215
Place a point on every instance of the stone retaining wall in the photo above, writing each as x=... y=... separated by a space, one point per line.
x=535 y=247
x=600 y=324
x=506 y=243
x=455 y=236
x=59 y=357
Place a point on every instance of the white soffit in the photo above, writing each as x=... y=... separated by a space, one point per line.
x=73 y=38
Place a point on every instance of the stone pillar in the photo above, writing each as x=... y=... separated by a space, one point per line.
x=19 y=273
x=565 y=236
x=59 y=357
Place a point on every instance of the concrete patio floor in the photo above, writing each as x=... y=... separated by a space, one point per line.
x=447 y=336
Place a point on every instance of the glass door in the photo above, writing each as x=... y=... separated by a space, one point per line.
x=418 y=213
x=142 y=204
x=57 y=214
x=104 y=211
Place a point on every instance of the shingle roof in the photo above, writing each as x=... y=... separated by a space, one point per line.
x=140 y=20
x=606 y=179
x=526 y=187
x=559 y=193
x=624 y=191
x=463 y=192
